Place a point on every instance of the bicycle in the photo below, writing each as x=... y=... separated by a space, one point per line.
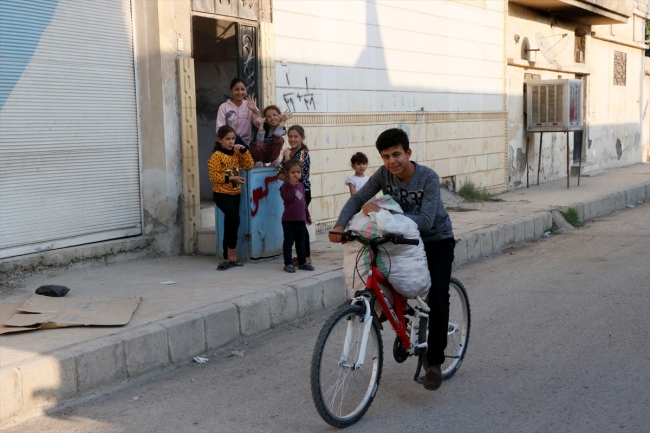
x=343 y=385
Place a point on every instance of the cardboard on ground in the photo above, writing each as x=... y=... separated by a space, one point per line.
x=7 y=311
x=44 y=312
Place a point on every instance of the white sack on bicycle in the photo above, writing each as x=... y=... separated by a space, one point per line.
x=404 y=265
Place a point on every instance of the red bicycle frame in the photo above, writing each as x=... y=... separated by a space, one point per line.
x=395 y=316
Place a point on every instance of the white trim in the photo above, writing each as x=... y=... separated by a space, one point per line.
x=615 y=40
x=551 y=67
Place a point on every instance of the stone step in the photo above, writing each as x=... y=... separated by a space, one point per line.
x=207 y=216
x=207 y=241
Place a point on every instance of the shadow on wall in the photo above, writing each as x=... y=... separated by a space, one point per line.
x=368 y=86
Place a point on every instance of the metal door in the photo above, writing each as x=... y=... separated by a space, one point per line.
x=247 y=57
x=265 y=213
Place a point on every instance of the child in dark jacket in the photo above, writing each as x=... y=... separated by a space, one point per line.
x=294 y=217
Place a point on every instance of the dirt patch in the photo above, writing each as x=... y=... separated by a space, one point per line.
x=450 y=199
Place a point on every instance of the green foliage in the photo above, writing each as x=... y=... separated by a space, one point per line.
x=471 y=192
x=572 y=217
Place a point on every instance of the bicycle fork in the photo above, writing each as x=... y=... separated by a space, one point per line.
x=367 y=323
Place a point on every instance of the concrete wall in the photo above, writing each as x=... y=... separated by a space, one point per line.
x=365 y=56
x=158 y=26
x=612 y=112
x=353 y=69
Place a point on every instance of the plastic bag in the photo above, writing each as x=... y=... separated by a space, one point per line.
x=405 y=266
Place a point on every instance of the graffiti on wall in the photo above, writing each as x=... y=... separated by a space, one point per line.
x=260 y=193
x=306 y=98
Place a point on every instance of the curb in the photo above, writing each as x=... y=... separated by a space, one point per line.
x=49 y=380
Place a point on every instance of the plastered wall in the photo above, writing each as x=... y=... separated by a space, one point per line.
x=157 y=27
x=612 y=112
x=350 y=70
x=386 y=56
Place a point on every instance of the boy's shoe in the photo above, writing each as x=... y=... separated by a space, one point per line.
x=290 y=269
x=432 y=378
x=306 y=267
x=258 y=164
x=275 y=163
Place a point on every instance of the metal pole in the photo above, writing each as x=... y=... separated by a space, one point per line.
x=539 y=161
x=580 y=157
x=527 y=163
x=568 y=167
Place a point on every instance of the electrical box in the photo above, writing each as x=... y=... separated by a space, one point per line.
x=554 y=105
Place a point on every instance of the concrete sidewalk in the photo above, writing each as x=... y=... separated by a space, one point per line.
x=207 y=309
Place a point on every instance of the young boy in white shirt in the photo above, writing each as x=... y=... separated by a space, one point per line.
x=359 y=163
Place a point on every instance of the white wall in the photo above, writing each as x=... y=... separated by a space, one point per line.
x=612 y=112
x=389 y=56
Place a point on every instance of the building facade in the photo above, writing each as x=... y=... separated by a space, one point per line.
x=601 y=43
x=106 y=129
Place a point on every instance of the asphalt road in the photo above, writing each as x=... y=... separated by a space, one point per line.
x=560 y=342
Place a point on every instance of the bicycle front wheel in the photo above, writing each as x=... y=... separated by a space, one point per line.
x=342 y=390
x=458 y=328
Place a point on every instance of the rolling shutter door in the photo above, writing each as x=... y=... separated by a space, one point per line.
x=69 y=157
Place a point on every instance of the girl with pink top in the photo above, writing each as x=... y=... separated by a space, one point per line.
x=237 y=114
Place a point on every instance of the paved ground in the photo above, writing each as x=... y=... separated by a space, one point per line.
x=199 y=284
x=559 y=342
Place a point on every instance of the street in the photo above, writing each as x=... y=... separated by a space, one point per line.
x=560 y=341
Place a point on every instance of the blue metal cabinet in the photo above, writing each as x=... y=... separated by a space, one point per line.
x=260 y=230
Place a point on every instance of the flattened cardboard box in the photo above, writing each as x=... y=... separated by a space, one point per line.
x=7 y=311
x=51 y=312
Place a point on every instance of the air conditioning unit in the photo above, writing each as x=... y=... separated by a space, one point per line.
x=554 y=105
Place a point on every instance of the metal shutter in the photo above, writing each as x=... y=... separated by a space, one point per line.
x=69 y=157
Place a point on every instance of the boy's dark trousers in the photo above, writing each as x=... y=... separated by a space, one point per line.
x=294 y=231
x=440 y=255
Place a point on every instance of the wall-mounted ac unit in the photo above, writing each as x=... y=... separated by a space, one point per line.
x=554 y=105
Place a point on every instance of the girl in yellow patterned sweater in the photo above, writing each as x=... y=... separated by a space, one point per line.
x=225 y=165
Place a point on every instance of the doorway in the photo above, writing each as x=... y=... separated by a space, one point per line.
x=214 y=48
x=222 y=50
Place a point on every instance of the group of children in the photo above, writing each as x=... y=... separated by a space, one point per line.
x=415 y=187
x=235 y=150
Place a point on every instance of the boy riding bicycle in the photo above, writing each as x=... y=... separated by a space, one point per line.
x=417 y=190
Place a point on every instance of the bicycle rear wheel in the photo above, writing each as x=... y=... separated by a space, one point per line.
x=457 y=331
x=343 y=393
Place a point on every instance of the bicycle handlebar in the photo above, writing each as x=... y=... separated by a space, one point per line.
x=396 y=239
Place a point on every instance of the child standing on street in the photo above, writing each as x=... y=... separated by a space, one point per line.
x=225 y=168
x=270 y=129
x=359 y=163
x=298 y=150
x=238 y=112
x=294 y=217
